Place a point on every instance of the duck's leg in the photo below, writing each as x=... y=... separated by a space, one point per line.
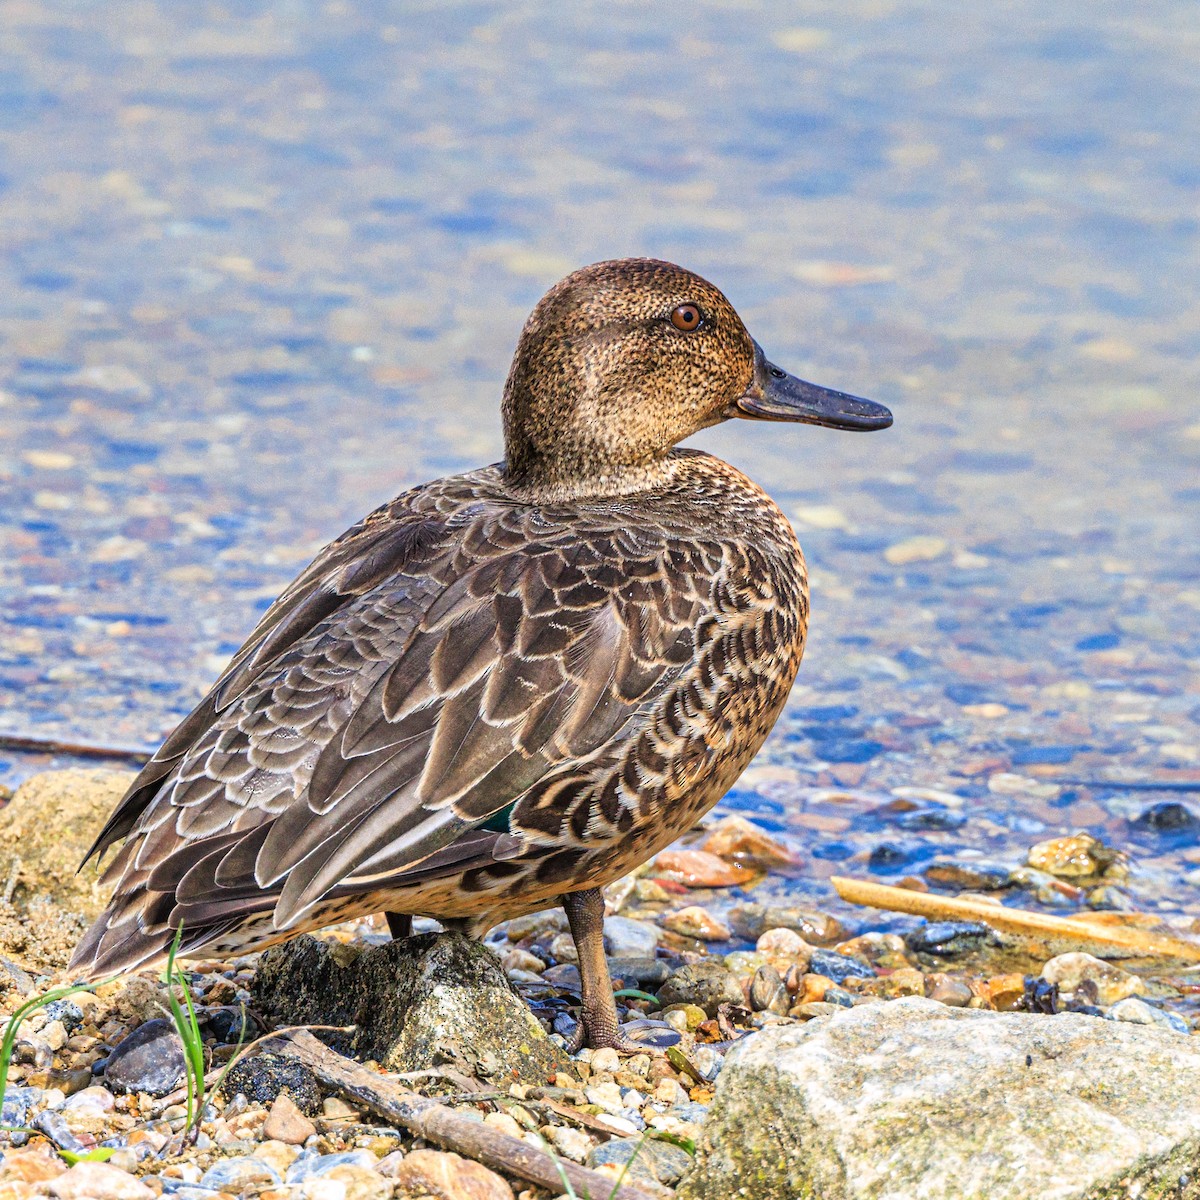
x=399 y=925
x=598 y=1021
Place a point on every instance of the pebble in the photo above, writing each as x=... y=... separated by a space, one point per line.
x=1140 y=1013
x=278 y=1155
x=1168 y=816
x=149 y=1060
x=1074 y=857
x=503 y=1123
x=54 y=1034
x=751 y=921
x=808 y=1009
x=91 y=1100
x=651 y=1161
x=449 y=1177
x=768 y=993
x=563 y=948
x=949 y=939
x=98 y=1181
x=32 y=1166
x=644 y=971
x=286 y=1123
x=16 y=1107
x=240 y=1174
x=697 y=922
x=739 y=839
x=968 y=875
x=923 y=548
x=839 y=967
x=626 y=937
x=707 y=985
x=312 y=1165
x=685 y=1017
x=570 y=1142
x=1110 y=982
x=905 y=981
x=1005 y=992
x=700 y=869
x=517 y=959
x=1006 y=783
x=334 y=1108
x=349 y=1181
x=946 y=990
x=784 y=948
x=606 y=1059
x=708 y=1061
x=885 y=950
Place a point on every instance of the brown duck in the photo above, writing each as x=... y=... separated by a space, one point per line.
x=504 y=689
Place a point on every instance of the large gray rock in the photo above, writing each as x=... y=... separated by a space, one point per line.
x=421 y=1002
x=910 y=1098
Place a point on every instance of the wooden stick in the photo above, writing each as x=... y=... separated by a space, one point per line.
x=12 y=741
x=435 y=1122
x=1142 y=785
x=1131 y=943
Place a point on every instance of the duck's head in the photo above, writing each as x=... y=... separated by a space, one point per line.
x=623 y=360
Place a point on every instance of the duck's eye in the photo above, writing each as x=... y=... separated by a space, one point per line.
x=686 y=317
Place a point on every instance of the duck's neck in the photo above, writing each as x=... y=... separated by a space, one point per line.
x=560 y=485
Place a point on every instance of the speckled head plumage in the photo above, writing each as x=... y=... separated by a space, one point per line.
x=624 y=359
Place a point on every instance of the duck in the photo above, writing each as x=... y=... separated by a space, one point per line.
x=504 y=689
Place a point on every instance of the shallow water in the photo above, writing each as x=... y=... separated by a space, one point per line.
x=265 y=265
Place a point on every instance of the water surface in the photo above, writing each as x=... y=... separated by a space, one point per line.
x=265 y=265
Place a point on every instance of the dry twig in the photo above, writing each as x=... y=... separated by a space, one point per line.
x=1111 y=941
x=436 y=1123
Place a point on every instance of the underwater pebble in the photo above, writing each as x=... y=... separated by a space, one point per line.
x=949 y=939
x=699 y=869
x=1074 y=857
x=968 y=874
x=922 y=548
x=945 y=990
x=838 y=967
x=1006 y=783
x=739 y=839
x=750 y=921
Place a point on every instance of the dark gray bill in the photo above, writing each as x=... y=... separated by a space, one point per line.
x=774 y=395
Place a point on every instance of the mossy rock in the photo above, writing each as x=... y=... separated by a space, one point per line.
x=910 y=1098
x=418 y=1003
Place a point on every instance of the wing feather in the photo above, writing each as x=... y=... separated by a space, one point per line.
x=422 y=674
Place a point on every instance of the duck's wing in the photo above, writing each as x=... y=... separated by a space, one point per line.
x=423 y=673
